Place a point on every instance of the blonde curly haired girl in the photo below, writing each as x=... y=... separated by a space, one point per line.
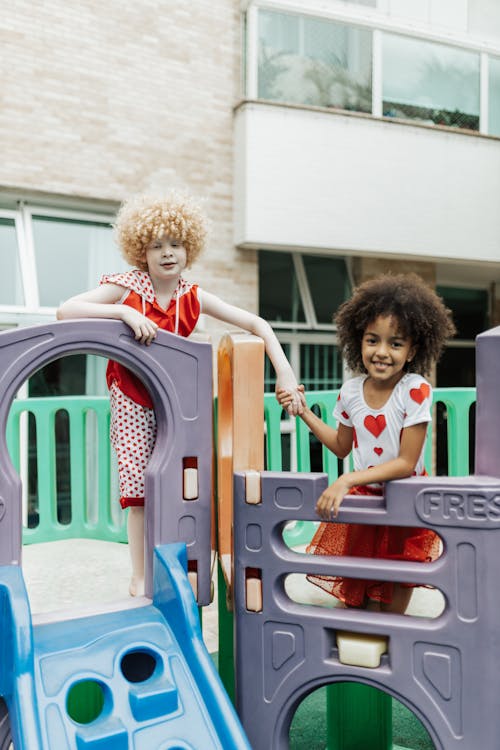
x=160 y=237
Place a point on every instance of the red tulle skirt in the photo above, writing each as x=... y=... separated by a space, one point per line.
x=357 y=540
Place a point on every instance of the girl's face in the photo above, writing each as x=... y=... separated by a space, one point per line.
x=385 y=350
x=165 y=258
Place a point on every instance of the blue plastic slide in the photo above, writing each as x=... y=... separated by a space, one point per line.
x=154 y=682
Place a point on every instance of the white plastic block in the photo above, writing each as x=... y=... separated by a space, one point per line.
x=254 y=595
x=190 y=484
x=252 y=487
x=360 y=650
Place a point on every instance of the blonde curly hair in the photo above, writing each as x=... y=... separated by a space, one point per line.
x=145 y=218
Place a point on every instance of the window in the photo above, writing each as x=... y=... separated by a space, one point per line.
x=46 y=256
x=80 y=250
x=11 y=286
x=457 y=367
x=304 y=59
x=299 y=295
x=328 y=283
x=494 y=96
x=279 y=302
x=430 y=82
x=314 y=61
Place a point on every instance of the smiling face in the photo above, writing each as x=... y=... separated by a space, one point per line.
x=385 y=350
x=165 y=258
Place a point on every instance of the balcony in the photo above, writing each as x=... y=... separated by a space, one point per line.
x=312 y=178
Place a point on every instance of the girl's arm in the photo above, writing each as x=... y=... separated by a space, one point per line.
x=338 y=441
x=101 y=302
x=412 y=442
x=285 y=379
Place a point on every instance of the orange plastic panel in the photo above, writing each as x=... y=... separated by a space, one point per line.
x=240 y=426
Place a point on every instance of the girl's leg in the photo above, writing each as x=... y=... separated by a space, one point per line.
x=133 y=435
x=135 y=530
x=400 y=600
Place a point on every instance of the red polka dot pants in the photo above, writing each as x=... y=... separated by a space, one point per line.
x=133 y=436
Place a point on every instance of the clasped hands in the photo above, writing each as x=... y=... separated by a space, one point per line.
x=291 y=398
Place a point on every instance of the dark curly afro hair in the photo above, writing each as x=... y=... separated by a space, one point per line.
x=420 y=312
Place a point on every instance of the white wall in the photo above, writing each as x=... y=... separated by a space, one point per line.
x=327 y=181
x=448 y=14
x=484 y=19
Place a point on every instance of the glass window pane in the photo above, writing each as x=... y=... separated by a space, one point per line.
x=430 y=82
x=306 y=60
x=469 y=307
x=328 y=284
x=71 y=256
x=11 y=288
x=457 y=368
x=278 y=290
x=494 y=96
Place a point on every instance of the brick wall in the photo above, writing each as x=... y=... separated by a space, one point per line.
x=102 y=100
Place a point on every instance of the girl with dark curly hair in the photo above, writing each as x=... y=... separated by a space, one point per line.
x=391 y=332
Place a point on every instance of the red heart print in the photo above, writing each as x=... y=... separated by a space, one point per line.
x=420 y=394
x=378 y=451
x=375 y=425
x=345 y=415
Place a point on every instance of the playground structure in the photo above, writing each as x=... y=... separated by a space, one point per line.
x=295 y=644
x=156 y=681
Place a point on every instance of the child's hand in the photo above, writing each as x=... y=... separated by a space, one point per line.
x=284 y=398
x=143 y=328
x=291 y=400
x=329 y=502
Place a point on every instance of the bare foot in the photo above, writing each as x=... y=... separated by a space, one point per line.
x=136 y=586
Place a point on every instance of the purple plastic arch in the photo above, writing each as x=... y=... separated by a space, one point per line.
x=178 y=374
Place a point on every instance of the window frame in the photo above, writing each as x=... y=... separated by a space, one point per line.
x=377 y=22
x=32 y=311
x=311 y=322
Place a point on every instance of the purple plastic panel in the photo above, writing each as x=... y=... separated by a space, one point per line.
x=447 y=669
x=178 y=374
x=487 y=454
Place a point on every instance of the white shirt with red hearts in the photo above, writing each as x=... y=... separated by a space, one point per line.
x=377 y=432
